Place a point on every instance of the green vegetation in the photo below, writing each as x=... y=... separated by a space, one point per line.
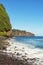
x=3 y=33
x=4 y=21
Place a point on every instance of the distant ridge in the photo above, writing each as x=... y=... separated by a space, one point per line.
x=21 y=33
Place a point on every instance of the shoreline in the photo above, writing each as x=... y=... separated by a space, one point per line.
x=19 y=54
x=15 y=58
x=3 y=42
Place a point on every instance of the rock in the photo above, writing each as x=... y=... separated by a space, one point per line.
x=18 y=54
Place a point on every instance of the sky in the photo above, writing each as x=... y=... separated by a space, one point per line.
x=25 y=15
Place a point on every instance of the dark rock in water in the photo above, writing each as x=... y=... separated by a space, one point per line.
x=23 y=56
x=18 y=54
x=33 y=59
x=26 y=54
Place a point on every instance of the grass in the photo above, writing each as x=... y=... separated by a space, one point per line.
x=3 y=33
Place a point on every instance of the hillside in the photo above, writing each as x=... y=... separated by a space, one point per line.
x=5 y=26
x=4 y=20
x=21 y=33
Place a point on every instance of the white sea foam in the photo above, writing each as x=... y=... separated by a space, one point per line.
x=27 y=51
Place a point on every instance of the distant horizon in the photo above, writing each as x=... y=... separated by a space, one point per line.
x=25 y=15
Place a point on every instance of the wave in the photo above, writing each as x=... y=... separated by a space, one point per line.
x=26 y=50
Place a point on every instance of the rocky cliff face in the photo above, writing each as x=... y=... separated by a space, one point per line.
x=21 y=33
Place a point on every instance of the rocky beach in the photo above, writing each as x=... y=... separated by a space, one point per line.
x=17 y=56
x=5 y=59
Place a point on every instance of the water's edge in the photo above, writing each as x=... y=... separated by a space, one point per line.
x=21 y=50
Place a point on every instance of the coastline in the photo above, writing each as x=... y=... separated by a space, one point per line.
x=19 y=54
x=15 y=58
x=3 y=42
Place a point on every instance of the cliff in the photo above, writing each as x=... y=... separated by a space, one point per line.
x=5 y=25
x=4 y=19
x=21 y=33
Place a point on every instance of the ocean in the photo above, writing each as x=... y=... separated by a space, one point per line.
x=36 y=41
x=30 y=45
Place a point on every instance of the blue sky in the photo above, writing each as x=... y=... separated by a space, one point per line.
x=25 y=14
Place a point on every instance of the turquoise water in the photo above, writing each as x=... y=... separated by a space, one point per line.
x=36 y=41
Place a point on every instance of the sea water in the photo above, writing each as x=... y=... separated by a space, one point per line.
x=33 y=46
x=36 y=41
